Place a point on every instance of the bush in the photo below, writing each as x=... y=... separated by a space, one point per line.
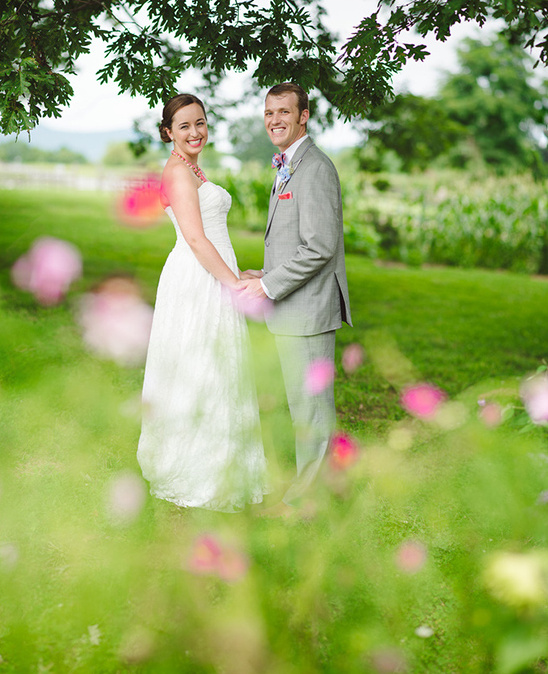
x=496 y=223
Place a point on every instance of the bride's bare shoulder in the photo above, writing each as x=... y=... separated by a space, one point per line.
x=176 y=180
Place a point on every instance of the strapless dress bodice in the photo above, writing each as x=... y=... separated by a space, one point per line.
x=215 y=203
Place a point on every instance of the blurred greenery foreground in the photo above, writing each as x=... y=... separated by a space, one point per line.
x=423 y=547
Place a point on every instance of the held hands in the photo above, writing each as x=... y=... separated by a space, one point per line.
x=251 y=274
x=250 y=284
x=249 y=288
x=248 y=297
x=253 y=288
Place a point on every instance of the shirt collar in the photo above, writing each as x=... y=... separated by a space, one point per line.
x=290 y=152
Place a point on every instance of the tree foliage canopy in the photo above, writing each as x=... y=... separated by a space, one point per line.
x=492 y=109
x=495 y=98
x=150 y=43
x=416 y=129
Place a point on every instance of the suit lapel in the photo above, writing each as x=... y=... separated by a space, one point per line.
x=272 y=202
x=296 y=161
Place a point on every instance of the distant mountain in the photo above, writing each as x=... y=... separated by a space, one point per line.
x=92 y=145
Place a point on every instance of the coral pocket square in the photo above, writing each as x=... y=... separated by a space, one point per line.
x=287 y=195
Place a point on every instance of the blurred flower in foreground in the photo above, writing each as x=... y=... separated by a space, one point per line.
x=48 y=269
x=137 y=646
x=518 y=579
x=210 y=556
x=543 y=497
x=319 y=376
x=343 y=451
x=126 y=497
x=422 y=400
x=204 y=555
x=424 y=632
x=388 y=661
x=411 y=556
x=255 y=308
x=490 y=413
x=140 y=206
x=232 y=564
x=352 y=358
x=534 y=394
x=116 y=322
x=9 y=556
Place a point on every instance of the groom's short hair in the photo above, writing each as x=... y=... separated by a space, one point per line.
x=288 y=88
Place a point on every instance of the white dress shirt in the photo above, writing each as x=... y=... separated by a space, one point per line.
x=289 y=154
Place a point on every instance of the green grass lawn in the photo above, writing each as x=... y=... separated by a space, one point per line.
x=85 y=593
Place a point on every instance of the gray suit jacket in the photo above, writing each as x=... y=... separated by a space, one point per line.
x=304 y=249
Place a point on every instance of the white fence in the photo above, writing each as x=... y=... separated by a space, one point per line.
x=65 y=176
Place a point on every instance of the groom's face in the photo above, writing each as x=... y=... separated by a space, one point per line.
x=283 y=122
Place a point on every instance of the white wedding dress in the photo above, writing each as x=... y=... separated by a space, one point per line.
x=200 y=443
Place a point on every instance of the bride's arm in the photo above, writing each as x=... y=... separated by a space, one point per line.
x=182 y=194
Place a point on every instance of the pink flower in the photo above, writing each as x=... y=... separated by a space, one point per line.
x=126 y=497
x=543 y=497
x=232 y=564
x=491 y=414
x=319 y=376
x=388 y=661
x=205 y=555
x=422 y=400
x=352 y=358
x=116 y=322
x=344 y=451
x=411 y=556
x=210 y=556
x=140 y=205
x=48 y=270
x=534 y=394
x=255 y=308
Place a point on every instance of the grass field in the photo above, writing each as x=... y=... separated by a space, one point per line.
x=397 y=569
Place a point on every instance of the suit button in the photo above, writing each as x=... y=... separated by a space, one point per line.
x=267 y=243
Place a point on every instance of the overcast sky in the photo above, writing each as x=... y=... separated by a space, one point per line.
x=97 y=107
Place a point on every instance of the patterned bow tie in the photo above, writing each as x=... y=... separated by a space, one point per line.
x=278 y=160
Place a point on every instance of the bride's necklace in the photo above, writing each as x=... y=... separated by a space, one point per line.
x=197 y=171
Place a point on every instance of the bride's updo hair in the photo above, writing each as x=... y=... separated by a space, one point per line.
x=171 y=107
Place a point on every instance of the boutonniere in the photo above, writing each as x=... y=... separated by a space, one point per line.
x=286 y=172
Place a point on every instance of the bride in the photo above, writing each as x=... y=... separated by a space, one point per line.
x=200 y=443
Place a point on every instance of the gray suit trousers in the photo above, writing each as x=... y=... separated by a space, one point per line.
x=313 y=416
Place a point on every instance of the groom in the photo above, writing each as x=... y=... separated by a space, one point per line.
x=304 y=273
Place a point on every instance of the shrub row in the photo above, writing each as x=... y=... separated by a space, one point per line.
x=448 y=218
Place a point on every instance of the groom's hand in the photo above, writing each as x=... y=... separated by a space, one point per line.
x=251 y=274
x=252 y=287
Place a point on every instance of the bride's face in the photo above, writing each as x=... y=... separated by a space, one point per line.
x=189 y=130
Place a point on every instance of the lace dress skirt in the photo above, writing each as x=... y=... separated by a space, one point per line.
x=200 y=443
